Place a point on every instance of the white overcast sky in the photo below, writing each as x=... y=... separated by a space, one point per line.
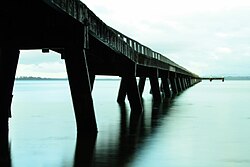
x=208 y=37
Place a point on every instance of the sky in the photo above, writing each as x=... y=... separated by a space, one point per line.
x=209 y=38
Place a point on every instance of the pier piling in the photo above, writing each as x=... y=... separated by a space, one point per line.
x=80 y=86
x=122 y=91
x=128 y=86
x=179 y=87
x=166 y=87
x=172 y=79
x=155 y=88
x=141 y=85
x=8 y=65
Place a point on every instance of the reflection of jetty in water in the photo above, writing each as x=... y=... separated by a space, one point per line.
x=120 y=148
x=89 y=47
x=117 y=146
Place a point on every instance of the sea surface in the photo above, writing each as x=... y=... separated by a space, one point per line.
x=207 y=125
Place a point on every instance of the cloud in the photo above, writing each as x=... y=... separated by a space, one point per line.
x=224 y=50
x=49 y=69
x=38 y=64
x=36 y=56
x=206 y=37
x=199 y=67
x=223 y=35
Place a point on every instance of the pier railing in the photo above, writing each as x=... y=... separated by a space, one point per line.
x=126 y=45
x=113 y=38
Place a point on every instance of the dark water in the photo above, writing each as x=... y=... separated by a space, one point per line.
x=206 y=125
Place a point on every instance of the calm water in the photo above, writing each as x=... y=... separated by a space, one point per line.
x=206 y=125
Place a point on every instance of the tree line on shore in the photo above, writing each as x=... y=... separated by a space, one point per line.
x=37 y=78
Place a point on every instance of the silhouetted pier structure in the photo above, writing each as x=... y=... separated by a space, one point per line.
x=89 y=47
x=213 y=78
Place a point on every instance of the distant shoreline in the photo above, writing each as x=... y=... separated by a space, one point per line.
x=54 y=79
x=238 y=78
x=38 y=78
x=241 y=78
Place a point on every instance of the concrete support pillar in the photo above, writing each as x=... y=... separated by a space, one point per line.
x=166 y=87
x=194 y=81
x=141 y=84
x=8 y=64
x=170 y=87
x=5 y=157
x=186 y=82
x=134 y=97
x=92 y=80
x=173 y=85
x=122 y=91
x=179 y=87
x=84 y=151
x=155 y=88
x=190 y=82
x=80 y=86
x=128 y=86
x=183 y=83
